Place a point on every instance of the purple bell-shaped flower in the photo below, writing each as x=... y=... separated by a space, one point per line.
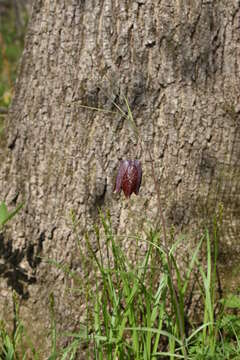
x=129 y=177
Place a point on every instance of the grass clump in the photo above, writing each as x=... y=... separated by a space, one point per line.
x=132 y=310
x=130 y=307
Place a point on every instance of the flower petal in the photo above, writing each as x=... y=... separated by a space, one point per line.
x=121 y=172
x=130 y=179
x=137 y=163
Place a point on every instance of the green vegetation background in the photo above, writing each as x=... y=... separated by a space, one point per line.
x=12 y=31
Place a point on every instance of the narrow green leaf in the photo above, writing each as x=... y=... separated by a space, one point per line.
x=197 y=331
x=162 y=332
x=3 y=213
x=168 y=354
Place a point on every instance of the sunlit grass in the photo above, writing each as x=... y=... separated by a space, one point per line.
x=132 y=313
x=130 y=310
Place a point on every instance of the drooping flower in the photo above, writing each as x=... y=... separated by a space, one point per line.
x=129 y=177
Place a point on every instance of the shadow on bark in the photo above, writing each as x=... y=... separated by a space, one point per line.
x=10 y=269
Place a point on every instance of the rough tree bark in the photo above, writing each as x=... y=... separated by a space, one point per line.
x=178 y=64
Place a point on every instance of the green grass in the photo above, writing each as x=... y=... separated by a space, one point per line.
x=131 y=311
x=16 y=344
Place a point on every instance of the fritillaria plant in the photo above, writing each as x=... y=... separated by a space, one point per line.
x=129 y=179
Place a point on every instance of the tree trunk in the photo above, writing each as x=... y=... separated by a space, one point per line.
x=178 y=64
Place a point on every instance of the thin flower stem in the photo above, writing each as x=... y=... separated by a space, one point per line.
x=159 y=199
